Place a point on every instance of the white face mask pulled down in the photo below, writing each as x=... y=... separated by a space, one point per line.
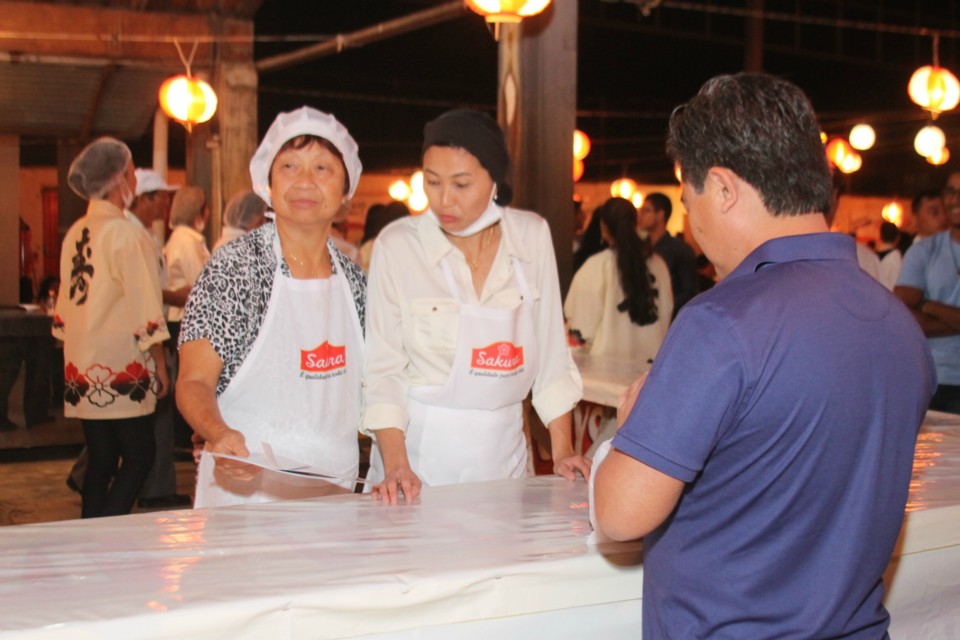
x=490 y=216
x=126 y=193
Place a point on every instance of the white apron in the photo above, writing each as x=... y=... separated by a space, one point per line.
x=471 y=428
x=298 y=390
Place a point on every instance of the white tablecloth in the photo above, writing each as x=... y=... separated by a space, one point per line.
x=488 y=560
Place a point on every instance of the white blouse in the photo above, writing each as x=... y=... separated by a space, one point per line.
x=185 y=252
x=591 y=309
x=412 y=320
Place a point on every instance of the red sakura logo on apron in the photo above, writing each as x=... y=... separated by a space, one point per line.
x=499 y=356
x=326 y=357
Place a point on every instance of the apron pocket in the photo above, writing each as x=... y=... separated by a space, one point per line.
x=436 y=322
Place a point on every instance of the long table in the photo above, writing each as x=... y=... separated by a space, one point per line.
x=505 y=559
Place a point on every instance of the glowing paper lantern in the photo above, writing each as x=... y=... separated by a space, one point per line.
x=507 y=10
x=929 y=140
x=850 y=163
x=578 y=169
x=417 y=201
x=400 y=190
x=623 y=188
x=187 y=99
x=939 y=157
x=637 y=199
x=862 y=137
x=581 y=145
x=934 y=88
x=893 y=212
x=837 y=150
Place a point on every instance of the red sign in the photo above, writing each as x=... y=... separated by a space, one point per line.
x=326 y=357
x=499 y=356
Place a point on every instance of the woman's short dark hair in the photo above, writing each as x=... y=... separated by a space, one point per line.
x=763 y=129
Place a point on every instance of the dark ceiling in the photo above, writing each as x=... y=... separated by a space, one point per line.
x=637 y=60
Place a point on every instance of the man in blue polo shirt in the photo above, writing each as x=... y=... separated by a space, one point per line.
x=767 y=456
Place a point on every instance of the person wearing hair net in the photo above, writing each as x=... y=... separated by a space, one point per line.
x=244 y=213
x=464 y=318
x=110 y=317
x=271 y=346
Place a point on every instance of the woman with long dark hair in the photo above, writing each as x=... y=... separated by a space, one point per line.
x=620 y=301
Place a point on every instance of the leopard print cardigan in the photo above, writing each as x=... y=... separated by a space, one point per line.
x=228 y=303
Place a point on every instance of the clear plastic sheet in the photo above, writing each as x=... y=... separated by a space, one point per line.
x=923 y=579
x=504 y=559
x=334 y=567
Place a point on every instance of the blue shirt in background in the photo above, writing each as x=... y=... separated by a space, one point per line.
x=933 y=266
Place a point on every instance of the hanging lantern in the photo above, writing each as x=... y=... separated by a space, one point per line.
x=507 y=10
x=893 y=212
x=929 y=140
x=187 y=99
x=581 y=145
x=862 y=137
x=939 y=157
x=837 y=150
x=623 y=188
x=578 y=169
x=850 y=163
x=637 y=199
x=935 y=89
x=417 y=200
x=400 y=190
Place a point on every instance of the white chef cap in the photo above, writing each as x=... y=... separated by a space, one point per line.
x=97 y=169
x=149 y=180
x=300 y=122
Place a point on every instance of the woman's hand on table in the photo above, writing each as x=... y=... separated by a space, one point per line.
x=401 y=483
x=232 y=442
x=568 y=466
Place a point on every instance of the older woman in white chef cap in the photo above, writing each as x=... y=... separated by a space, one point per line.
x=271 y=346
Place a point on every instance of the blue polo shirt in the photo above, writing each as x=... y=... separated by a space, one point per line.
x=788 y=399
x=933 y=266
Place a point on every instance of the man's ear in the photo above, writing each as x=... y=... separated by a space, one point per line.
x=726 y=186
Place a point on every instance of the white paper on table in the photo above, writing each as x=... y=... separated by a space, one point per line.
x=272 y=462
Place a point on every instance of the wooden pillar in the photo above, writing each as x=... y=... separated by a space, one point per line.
x=219 y=152
x=10 y=220
x=537 y=108
x=753 y=47
x=237 y=87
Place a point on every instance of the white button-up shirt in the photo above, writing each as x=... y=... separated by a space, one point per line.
x=412 y=320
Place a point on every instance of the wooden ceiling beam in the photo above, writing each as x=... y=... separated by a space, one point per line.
x=57 y=30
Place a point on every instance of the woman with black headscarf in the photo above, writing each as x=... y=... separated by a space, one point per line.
x=464 y=318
